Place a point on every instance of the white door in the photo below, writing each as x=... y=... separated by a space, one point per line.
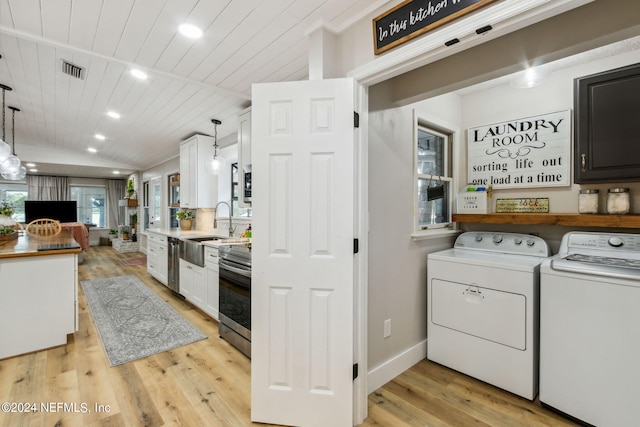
x=155 y=202
x=303 y=261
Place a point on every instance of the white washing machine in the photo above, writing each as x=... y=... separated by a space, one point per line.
x=590 y=328
x=483 y=308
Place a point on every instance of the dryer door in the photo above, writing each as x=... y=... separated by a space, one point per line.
x=484 y=313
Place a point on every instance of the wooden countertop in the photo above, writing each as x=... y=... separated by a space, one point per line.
x=27 y=246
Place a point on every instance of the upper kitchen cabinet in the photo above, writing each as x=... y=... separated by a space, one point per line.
x=198 y=187
x=606 y=108
x=244 y=158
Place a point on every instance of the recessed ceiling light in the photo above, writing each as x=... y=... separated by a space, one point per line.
x=33 y=170
x=30 y=165
x=113 y=114
x=100 y=137
x=190 y=30
x=92 y=150
x=116 y=172
x=139 y=74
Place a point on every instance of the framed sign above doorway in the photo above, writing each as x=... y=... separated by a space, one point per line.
x=412 y=18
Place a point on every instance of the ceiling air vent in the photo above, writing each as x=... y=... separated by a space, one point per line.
x=72 y=70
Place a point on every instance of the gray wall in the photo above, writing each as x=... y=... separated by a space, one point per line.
x=397 y=264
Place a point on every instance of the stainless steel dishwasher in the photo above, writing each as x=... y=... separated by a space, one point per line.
x=173 y=271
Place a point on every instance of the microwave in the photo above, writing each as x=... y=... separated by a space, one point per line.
x=247 y=184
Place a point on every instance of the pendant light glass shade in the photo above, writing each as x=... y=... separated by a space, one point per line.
x=5 y=150
x=21 y=173
x=10 y=165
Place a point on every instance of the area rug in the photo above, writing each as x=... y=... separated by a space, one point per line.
x=139 y=260
x=133 y=322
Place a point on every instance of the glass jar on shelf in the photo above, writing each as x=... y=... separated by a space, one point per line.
x=618 y=201
x=588 y=201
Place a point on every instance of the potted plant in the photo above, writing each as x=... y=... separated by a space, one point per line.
x=113 y=233
x=130 y=189
x=186 y=219
x=125 y=233
x=6 y=210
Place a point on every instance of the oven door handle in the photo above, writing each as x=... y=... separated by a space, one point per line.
x=228 y=267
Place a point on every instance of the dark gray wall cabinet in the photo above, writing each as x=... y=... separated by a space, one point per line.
x=607 y=126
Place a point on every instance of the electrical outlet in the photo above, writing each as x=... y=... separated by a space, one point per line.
x=387 y=328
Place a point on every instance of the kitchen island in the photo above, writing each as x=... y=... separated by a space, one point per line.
x=38 y=292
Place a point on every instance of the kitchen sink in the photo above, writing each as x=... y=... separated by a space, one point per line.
x=192 y=250
x=205 y=239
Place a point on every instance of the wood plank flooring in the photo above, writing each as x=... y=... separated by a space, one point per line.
x=207 y=383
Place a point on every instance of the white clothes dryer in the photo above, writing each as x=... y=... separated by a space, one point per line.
x=589 y=319
x=483 y=308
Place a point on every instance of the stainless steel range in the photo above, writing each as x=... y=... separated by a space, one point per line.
x=235 y=296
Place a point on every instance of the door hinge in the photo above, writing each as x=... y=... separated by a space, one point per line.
x=356 y=246
x=355 y=371
x=356 y=120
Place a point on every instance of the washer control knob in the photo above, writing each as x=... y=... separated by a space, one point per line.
x=478 y=237
x=517 y=241
x=616 y=242
x=531 y=242
x=497 y=238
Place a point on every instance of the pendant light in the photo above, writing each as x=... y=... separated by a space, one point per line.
x=21 y=172
x=5 y=149
x=214 y=162
x=10 y=166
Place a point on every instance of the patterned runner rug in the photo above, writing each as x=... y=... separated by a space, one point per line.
x=139 y=260
x=133 y=322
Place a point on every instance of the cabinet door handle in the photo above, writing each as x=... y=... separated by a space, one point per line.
x=584 y=162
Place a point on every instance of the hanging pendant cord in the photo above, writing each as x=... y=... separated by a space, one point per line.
x=13 y=127
x=3 y=115
x=4 y=89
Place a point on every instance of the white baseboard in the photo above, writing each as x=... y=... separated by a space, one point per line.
x=381 y=374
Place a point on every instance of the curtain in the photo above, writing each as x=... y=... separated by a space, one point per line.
x=41 y=187
x=115 y=191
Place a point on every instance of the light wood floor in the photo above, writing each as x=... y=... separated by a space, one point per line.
x=207 y=383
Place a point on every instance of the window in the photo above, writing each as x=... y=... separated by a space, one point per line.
x=433 y=178
x=15 y=194
x=91 y=204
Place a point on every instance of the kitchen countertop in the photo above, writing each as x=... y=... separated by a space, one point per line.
x=27 y=246
x=219 y=237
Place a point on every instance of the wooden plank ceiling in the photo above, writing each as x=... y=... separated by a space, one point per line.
x=190 y=81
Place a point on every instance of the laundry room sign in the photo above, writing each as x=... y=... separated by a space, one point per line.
x=530 y=152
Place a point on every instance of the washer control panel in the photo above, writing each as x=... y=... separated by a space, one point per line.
x=620 y=244
x=509 y=243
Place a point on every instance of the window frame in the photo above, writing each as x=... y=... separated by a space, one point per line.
x=105 y=207
x=451 y=166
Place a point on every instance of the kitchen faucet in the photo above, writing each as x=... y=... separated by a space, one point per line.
x=232 y=229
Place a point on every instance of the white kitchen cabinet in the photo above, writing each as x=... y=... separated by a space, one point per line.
x=198 y=186
x=157 y=256
x=244 y=153
x=38 y=302
x=211 y=264
x=192 y=282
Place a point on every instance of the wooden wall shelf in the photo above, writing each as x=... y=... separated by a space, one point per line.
x=566 y=219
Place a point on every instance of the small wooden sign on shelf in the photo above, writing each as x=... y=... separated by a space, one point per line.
x=523 y=205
